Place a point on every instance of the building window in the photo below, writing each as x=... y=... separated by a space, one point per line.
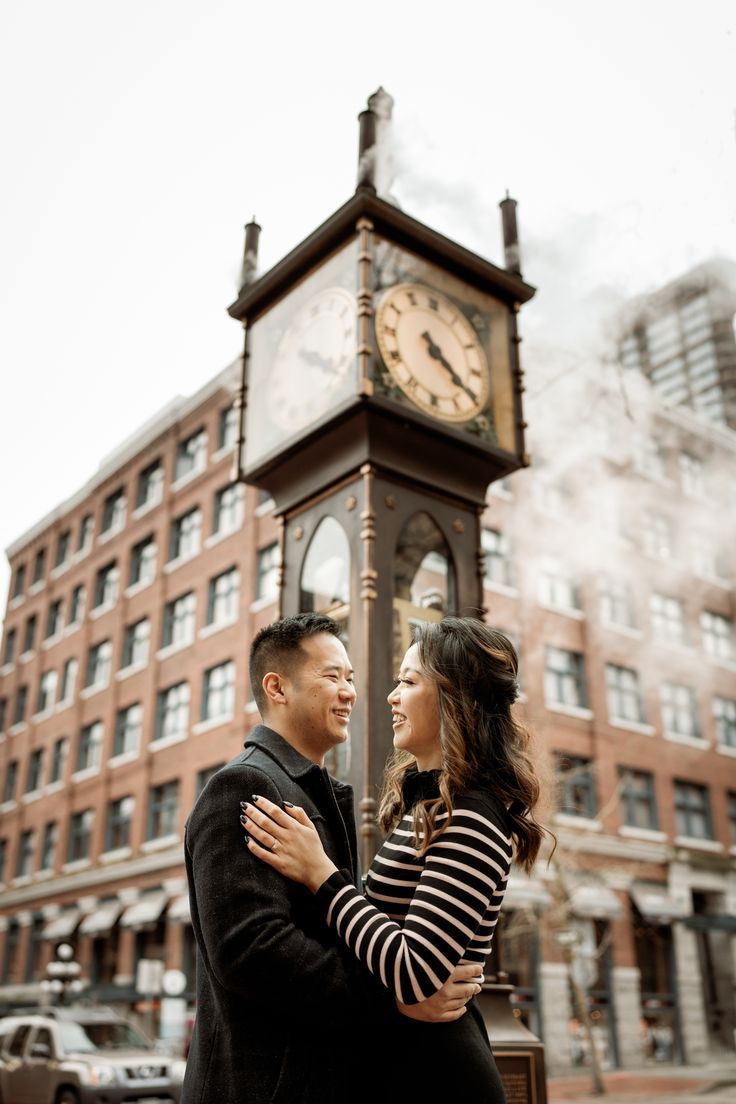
x=54 y=620
x=98 y=665
x=717 y=635
x=624 y=694
x=692 y=811
x=63 y=545
x=113 y=512
x=172 y=712
x=649 y=457
x=84 y=540
x=668 y=619
x=9 y=650
x=186 y=535
x=679 y=710
x=557 y=589
x=638 y=802
x=11 y=777
x=135 y=643
x=68 y=680
x=163 y=810
x=34 y=775
x=29 y=636
x=58 y=759
x=218 y=692
x=46 y=691
x=222 y=597
x=19 y=581
x=657 y=535
x=179 y=620
x=575 y=786
x=21 y=705
x=691 y=475
x=617 y=603
x=228 y=511
x=142 y=562
x=119 y=818
x=76 y=605
x=724 y=714
x=227 y=435
x=150 y=485
x=89 y=752
x=267 y=570
x=705 y=558
x=731 y=817
x=191 y=455
x=564 y=678
x=106 y=585
x=48 y=845
x=39 y=566
x=26 y=849
x=128 y=727
x=497 y=556
x=203 y=778
x=80 y=836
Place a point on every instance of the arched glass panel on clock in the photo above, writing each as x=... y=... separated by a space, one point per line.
x=324 y=587
x=425 y=587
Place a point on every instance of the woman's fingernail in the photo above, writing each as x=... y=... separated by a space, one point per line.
x=243 y=804
x=256 y=798
x=289 y=805
x=247 y=838
x=243 y=819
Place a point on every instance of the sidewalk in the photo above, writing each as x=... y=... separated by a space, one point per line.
x=627 y=1086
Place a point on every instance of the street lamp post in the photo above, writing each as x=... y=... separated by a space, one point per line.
x=62 y=979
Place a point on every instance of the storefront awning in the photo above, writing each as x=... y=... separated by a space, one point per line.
x=102 y=920
x=145 y=911
x=62 y=926
x=655 y=902
x=179 y=910
x=595 y=901
x=523 y=892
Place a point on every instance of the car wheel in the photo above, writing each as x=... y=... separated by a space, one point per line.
x=67 y=1096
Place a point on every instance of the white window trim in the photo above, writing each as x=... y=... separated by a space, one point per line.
x=625 y=630
x=725 y=749
x=50 y=641
x=63 y=704
x=99 y=611
x=21 y=880
x=653 y=834
x=172 y=565
x=113 y=531
x=569 y=820
x=123 y=758
x=263 y=603
x=689 y=741
x=30 y=796
x=136 y=588
x=85 y=773
x=221 y=453
x=72 y=627
x=54 y=787
x=217 y=626
x=582 y=712
x=116 y=855
x=173 y=649
x=718 y=661
x=185 y=480
x=7 y=806
x=16 y=729
x=7 y=669
x=698 y=844
x=641 y=727
x=36 y=588
x=95 y=688
x=75 y=865
x=131 y=669
x=211 y=722
x=161 y=843
x=566 y=611
x=221 y=535
x=500 y=588
x=44 y=875
x=42 y=715
x=26 y=657
x=61 y=569
x=168 y=741
x=150 y=504
x=82 y=553
x=264 y=507
x=17 y=601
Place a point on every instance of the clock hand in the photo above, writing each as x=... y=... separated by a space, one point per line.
x=436 y=354
x=316 y=360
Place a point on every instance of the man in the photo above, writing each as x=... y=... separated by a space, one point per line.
x=283 y=1014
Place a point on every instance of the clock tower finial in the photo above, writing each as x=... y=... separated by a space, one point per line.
x=250 y=253
x=375 y=170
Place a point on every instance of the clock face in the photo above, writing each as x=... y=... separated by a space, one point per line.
x=313 y=359
x=432 y=352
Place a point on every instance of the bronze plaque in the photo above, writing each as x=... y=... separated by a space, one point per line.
x=516 y=1068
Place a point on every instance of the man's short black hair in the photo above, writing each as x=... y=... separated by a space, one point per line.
x=278 y=647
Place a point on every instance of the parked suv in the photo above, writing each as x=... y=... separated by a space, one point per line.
x=82 y=1056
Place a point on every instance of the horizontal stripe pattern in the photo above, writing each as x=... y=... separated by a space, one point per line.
x=423 y=915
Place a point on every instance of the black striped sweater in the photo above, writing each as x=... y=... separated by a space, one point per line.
x=424 y=915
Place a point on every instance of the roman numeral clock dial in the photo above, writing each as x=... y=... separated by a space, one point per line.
x=432 y=352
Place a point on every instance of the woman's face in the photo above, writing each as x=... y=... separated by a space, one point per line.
x=415 y=713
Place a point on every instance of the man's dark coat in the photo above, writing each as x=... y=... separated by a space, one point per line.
x=280 y=1007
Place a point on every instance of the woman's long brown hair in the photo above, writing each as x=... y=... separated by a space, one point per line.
x=483 y=746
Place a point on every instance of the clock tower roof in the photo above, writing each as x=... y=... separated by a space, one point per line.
x=394 y=224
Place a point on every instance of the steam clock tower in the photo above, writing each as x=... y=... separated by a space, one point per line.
x=381 y=395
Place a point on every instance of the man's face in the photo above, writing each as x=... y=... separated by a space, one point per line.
x=320 y=695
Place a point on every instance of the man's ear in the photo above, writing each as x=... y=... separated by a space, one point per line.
x=274 y=689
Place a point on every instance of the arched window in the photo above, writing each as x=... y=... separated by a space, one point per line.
x=424 y=578
x=325 y=581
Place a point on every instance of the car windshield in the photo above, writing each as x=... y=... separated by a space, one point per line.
x=101 y=1035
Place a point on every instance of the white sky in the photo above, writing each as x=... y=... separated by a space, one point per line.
x=137 y=139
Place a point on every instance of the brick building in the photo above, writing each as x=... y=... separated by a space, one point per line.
x=123 y=685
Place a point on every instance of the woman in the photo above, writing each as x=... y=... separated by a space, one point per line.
x=458 y=801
